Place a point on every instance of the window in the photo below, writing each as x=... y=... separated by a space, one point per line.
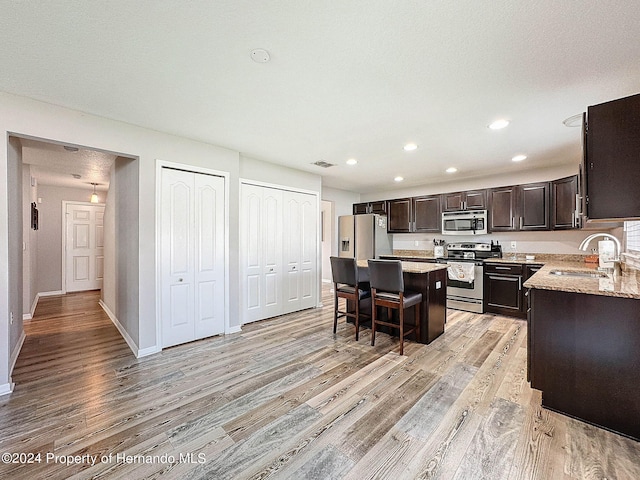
x=633 y=236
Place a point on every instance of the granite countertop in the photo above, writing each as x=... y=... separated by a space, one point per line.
x=626 y=284
x=414 y=267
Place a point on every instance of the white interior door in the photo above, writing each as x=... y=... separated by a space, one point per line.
x=84 y=247
x=261 y=252
x=192 y=256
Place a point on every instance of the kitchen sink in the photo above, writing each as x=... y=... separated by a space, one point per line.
x=574 y=273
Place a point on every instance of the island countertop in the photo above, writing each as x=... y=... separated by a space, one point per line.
x=414 y=267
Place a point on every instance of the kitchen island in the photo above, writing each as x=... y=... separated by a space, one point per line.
x=430 y=279
x=583 y=344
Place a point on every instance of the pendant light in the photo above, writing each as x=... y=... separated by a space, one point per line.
x=94 y=195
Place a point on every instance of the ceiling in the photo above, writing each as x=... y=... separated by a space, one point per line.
x=346 y=79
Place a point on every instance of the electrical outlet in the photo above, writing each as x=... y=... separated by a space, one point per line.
x=513 y=245
x=11 y=318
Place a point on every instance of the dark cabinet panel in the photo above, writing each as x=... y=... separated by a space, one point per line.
x=502 y=208
x=503 y=291
x=400 y=215
x=519 y=207
x=360 y=208
x=533 y=202
x=612 y=159
x=379 y=207
x=564 y=193
x=427 y=214
x=470 y=200
x=583 y=356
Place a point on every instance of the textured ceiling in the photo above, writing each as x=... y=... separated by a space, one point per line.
x=346 y=78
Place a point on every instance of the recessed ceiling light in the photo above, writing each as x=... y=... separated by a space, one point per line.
x=260 y=55
x=452 y=170
x=398 y=179
x=409 y=147
x=499 y=124
x=352 y=161
x=518 y=158
x=76 y=176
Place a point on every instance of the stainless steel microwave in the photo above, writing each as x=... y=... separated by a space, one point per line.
x=468 y=222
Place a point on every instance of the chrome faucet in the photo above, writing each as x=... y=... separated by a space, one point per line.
x=585 y=243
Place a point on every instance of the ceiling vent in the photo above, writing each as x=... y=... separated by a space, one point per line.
x=323 y=164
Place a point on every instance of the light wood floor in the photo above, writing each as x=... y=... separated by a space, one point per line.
x=287 y=399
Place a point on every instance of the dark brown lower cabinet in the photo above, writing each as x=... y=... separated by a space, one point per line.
x=584 y=357
x=503 y=291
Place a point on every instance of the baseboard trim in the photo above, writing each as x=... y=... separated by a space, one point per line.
x=34 y=304
x=7 y=388
x=145 y=352
x=50 y=294
x=127 y=338
x=231 y=330
x=16 y=352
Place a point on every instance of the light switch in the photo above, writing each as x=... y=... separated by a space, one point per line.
x=438 y=285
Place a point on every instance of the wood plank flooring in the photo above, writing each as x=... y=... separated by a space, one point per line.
x=287 y=399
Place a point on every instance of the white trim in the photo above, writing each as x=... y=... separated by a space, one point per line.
x=145 y=352
x=7 y=388
x=234 y=329
x=279 y=187
x=64 y=237
x=121 y=329
x=16 y=352
x=52 y=293
x=32 y=312
x=160 y=164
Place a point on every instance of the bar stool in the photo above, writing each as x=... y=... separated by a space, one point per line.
x=387 y=290
x=346 y=285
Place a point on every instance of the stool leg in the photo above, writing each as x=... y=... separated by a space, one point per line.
x=373 y=317
x=417 y=320
x=357 y=313
x=335 y=308
x=401 y=313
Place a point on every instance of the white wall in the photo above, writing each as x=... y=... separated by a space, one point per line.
x=327 y=238
x=252 y=169
x=30 y=239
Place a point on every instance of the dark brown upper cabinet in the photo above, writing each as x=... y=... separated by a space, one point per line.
x=611 y=161
x=470 y=200
x=415 y=214
x=379 y=207
x=427 y=214
x=564 y=194
x=519 y=207
x=400 y=219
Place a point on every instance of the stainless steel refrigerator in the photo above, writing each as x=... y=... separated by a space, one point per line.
x=363 y=236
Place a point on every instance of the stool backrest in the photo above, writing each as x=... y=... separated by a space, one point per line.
x=344 y=270
x=386 y=275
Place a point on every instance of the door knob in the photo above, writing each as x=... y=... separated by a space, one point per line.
x=179 y=279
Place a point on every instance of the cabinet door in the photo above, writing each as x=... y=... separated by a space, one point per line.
x=503 y=294
x=563 y=203
x=360 y=208
x=475 y=200
x=427 y=214
x=452 y=201
x=502 y=209
x=612 y=165
x=379 y=207
x=533 y=203
x=399 y=216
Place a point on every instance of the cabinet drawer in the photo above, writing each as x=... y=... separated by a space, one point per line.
x=503 y=268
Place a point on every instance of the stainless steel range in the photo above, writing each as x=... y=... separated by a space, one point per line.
x=465 y=272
